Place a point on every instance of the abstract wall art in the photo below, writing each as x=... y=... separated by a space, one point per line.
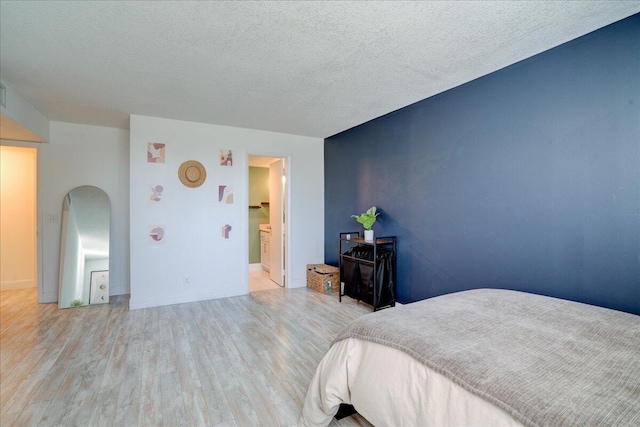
x=226 y=157
x=156 y=193
x=156 y=233
x=225 y=194
x=226 y=231
x=155 y=152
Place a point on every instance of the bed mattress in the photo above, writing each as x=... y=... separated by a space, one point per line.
x=484 y=357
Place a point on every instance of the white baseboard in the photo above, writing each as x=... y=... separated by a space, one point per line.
x=118 y=290
x=298 y=283
x=49 y=297
x=17 y=284
x=135 y=304
x=256 y=266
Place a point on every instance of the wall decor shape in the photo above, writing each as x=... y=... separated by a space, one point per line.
x=156 y=193
x=156 y=233
x=226 y=231
x=192 y=174
x=155 y=152
x=225 y=194
x=226 y=157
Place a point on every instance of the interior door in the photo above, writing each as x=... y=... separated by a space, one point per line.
x=276 y=218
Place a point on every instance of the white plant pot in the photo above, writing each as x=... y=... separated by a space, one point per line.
x=368 y=235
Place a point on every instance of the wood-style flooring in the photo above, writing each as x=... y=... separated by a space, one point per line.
x=259 y=281
x=242 y=361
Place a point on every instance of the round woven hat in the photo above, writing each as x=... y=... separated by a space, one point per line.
x=192 y=173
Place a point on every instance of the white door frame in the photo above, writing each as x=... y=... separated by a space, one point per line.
x=287 y=207
x=37 y=209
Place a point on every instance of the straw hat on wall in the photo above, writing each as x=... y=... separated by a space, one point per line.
x=192 y=174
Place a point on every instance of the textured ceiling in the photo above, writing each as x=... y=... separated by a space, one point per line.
x=306 y=68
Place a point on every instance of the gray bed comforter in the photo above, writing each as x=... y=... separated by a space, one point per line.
x=545 y=361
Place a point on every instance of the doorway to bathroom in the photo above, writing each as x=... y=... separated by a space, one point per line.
x=268 y=189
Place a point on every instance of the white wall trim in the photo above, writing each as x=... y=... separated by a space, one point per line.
x=135 y=304
x=118 y=290
x=298 y=283
x=49 y=297
x=17 y=284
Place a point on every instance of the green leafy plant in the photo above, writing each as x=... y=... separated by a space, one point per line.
x=76 y=303
x=368 y=218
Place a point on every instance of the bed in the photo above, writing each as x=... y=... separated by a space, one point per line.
x=483 y=357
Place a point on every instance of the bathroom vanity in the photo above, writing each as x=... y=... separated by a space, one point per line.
x=265 y=246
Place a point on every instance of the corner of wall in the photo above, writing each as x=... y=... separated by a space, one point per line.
x=28 y=121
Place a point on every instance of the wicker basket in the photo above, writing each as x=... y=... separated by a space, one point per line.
x=323 y=278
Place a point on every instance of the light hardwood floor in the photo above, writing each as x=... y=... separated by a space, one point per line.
x=242 y=361
x=259 y=281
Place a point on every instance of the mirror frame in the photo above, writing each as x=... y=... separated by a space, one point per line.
x=90 y=225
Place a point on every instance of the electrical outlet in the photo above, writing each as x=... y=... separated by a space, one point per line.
x=186 y=280
x=51 y=217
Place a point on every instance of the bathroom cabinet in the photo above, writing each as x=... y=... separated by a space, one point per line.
x=265 y=249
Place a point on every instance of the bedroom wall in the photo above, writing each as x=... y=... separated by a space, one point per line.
x=527 y=178
x=83 y=155
x=193 y=247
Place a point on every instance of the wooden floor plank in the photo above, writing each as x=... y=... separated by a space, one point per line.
x=104 y=413
x=31 y=415
x=240 y=361
x=173 y=412
x=216 y=401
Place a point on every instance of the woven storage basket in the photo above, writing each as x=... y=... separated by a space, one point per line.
x=320 y=275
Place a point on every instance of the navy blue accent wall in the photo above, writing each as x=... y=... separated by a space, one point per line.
x=527 y=178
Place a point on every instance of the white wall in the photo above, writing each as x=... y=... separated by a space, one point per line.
x=83 y=155
x=193 y=246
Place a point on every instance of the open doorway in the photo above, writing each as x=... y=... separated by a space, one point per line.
x=18 y=233
x=268 y=231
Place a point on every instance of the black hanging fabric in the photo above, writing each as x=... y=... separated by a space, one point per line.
x=359 y=276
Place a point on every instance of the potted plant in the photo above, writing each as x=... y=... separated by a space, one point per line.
x=367 y=219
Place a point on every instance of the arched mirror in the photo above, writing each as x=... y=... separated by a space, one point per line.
x=84 y=248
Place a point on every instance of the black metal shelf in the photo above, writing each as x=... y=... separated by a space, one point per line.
x=368 y=269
